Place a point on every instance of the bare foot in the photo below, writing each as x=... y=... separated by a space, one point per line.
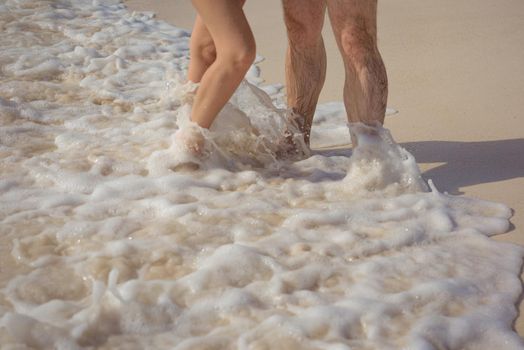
x=191 y=139
x=364 y=133
x=295 y=142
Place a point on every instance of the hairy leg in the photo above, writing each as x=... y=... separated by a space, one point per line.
x=305 y=59
x=235 y=52
x=354 y=24
x=202 y=51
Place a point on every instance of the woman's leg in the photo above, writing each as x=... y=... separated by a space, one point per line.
x=202 y=51
x=235 y=52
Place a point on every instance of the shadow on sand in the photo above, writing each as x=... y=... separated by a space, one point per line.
x=469 y=163
x=465 y=163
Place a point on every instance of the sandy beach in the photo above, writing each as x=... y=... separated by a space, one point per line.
x=114 y=234
x=455 y=76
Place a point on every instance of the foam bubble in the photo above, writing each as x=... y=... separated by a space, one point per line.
x=120 y=239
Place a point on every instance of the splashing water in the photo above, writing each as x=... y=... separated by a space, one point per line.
x=105 y=246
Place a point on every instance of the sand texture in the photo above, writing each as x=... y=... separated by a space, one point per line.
x=455 y=73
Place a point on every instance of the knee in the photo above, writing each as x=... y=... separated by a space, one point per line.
x=240 y=58
x=244 y=58
x=303 y=30
x=205 y=52
x=358 y=45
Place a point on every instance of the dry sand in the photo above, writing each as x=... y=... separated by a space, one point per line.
x=456 y=74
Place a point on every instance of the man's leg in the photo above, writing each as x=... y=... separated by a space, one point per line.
x=305 y=59
x=354 y=24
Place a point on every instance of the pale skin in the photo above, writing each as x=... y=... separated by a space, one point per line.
x=354 y=23
x=222 y=49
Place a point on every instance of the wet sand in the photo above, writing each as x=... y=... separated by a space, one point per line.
x=455 y=76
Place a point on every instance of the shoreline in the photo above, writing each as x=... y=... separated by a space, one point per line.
x=455 y=63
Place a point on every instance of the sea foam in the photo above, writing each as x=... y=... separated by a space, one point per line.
x=106 y=242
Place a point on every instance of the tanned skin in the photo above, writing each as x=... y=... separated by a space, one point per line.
x=222 y=49
x=354 y=23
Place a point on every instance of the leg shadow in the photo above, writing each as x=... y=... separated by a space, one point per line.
x=469 y=163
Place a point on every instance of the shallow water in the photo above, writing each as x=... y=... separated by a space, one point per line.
x=104 y=245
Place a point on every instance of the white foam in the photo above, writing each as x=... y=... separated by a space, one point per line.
x=119 y=246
